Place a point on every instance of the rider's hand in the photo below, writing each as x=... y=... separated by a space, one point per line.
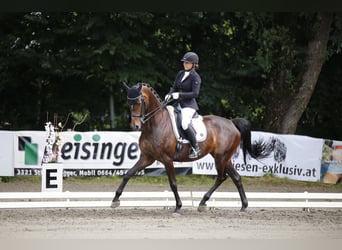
x=167 y=98
x=175 y=95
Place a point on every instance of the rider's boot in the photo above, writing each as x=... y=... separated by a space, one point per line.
x=190 y=134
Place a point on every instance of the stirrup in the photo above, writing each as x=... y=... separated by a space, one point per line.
x=195 y=152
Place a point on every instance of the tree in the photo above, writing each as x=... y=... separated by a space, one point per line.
x=257 y=65
x=316 y=56
x=290 y=51
x=69 y=62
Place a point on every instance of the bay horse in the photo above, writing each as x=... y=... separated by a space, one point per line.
x=157 y=142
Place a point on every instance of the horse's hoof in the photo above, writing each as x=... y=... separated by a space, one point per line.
x=115 y=204
x=243 y=209
x=202 y=208
x=176 y=214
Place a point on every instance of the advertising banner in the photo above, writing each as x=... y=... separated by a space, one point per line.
x=292 y=156
x=113 y=153
x=6 y=153
x=331 y=168
x=83 y=153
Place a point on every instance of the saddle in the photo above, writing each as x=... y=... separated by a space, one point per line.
x=197 y=124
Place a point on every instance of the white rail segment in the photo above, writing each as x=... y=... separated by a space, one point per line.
x=166 y=199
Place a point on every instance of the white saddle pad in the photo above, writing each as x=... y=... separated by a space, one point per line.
x=197 y=123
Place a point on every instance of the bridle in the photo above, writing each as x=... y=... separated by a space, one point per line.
x=144 y=117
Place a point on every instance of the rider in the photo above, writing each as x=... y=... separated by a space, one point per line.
x=186 y=88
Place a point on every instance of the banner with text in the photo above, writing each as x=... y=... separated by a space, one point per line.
x=113 y=153
x=291 y=156
x=82 y=153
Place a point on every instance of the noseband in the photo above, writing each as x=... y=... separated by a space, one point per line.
x=134 y=101
x=144 y=117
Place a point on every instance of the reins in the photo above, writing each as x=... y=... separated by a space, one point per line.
x=146 y=117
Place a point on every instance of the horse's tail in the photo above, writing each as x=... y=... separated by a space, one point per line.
x=257 y=150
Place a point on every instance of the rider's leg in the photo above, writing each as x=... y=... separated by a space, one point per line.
x=190 y=133
x=191 y=136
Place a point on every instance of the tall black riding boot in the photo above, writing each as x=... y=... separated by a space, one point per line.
x=190 y=134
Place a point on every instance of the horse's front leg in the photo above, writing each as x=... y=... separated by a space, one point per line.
x=139 y=165
x=170 y=170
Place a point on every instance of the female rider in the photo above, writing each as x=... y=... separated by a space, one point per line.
x=186 y=89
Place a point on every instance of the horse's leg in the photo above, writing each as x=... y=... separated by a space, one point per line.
x=221 y=177
x=139 y=165
x=170 y=170
x=238 y=183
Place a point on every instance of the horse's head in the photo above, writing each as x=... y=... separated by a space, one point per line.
x=144 y=103
x=136 y=104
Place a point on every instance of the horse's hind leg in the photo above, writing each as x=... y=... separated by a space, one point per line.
x=238 y=183
x=221 y=177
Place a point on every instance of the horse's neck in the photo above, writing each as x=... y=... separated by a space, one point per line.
x=154 y=106
x=153 y=102
x=156 y=122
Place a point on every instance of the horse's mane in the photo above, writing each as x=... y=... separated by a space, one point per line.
x=152 y=91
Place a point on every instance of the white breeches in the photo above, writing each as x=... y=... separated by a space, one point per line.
x=187 y=114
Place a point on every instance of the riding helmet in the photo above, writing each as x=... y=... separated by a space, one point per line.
x=190 y=57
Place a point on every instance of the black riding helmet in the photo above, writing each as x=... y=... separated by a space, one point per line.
x=190 y=57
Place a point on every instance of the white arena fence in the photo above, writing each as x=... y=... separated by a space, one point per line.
x=165 y=199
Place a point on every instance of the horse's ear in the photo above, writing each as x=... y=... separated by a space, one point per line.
x=125 y=86
x=139 y=86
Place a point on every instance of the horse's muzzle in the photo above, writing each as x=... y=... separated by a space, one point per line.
x=136 y=124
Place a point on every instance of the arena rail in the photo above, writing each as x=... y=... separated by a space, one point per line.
x=166 y=199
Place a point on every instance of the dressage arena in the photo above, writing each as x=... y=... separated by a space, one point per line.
x=157 y=223
x=161 y=223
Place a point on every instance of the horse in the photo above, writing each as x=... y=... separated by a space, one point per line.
x=156 y=142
